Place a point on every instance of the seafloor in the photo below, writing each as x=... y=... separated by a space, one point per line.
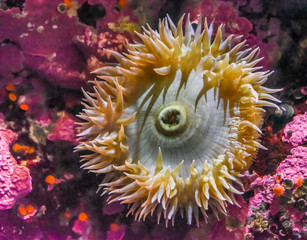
x=47 y=51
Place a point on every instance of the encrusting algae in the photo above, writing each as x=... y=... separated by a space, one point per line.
x=177 y=121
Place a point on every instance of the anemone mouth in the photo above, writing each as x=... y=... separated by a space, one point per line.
x=176 y=122
x=172 y=119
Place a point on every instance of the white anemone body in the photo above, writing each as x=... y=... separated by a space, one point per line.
x=205 y=138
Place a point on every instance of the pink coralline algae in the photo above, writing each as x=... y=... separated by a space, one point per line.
x=263 y=189
x=294 y=166
x=296 y=131
x=64 y=130
x=15 y=180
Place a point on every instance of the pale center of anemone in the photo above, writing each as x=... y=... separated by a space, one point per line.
x=182 y=129
x=172 y=119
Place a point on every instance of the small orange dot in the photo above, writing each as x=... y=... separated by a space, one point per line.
x=16 y=147
x=30 y=150
x=23 y=149
x=12 y=97
x=10 y=87
x=29 y=208
x=69 y=104
x=67 y=3
x=299 y=182
x=114 y=227
x=82 y=217
x=278 y=190
x=67 y=215
x=278 y=178
x=122 y=3
x=22 y=210
x=50 y=179
x=24 y=107
x=269 y=128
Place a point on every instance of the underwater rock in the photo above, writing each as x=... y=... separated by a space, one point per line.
x=294 y=167
x=296 y=131
x=11 y=60
x=15 y=180
x=263 y=190
x=64 y=130
x=49 y=38
x=43 y=35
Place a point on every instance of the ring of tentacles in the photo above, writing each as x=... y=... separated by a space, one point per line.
x=175 y=123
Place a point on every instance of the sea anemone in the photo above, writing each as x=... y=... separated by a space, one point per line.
x=175 y=123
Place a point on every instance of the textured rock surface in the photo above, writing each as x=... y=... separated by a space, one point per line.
x=294 y=166
x=15 y=180
x=296 y=131
x=64 y=130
